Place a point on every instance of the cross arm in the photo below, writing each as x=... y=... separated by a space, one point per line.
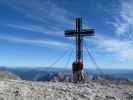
x=88 y=32
x=70 y=33
x=84 y=32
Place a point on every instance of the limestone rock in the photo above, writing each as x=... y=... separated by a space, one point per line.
x=28 y=90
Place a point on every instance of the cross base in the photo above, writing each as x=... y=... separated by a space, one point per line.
x=77 y=68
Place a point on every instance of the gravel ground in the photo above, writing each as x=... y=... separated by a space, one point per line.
x=27 y=90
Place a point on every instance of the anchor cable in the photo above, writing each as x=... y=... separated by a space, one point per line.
x=59 y=59
x=69 y=59
x=93 y=60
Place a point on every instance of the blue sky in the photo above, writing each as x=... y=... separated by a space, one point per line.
x=32 y=32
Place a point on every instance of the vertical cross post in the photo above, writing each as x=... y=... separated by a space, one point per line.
x=78 y=40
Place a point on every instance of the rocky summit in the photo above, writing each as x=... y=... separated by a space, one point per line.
x=28 y=90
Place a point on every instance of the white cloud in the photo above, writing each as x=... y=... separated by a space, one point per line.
x=121 y=44
x=36 y=42
x=124 y=19
x=122 y=49
x=122 y=22
x=52 y=17
x=35 y=28
x=47 y=12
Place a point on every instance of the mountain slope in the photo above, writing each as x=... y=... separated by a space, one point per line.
x=8 y=75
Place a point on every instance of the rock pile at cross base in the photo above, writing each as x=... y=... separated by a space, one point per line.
x=28 y=90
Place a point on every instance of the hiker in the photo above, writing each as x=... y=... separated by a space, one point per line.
x=75 y=72
x=77 y=69
x=81 y=71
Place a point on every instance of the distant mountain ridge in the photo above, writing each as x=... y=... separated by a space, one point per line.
x=46 y=74
x=3 y=68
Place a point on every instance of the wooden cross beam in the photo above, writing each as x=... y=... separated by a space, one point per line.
x=84 y=32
